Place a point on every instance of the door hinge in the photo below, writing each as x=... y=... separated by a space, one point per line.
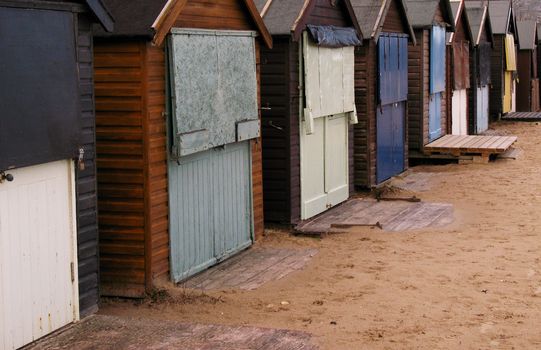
x=72 y=268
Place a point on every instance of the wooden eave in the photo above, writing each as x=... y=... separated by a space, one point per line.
x=462 y=13
x=300 y=22
x=383 y=15
x=172 y=9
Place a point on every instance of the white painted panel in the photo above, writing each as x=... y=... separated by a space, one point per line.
x=460 y=112
x=336 y=159
x=37 y=249
x=514 y=96
x=313 y=195
x=329 y=79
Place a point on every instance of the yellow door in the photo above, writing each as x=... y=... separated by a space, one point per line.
x=507 y=92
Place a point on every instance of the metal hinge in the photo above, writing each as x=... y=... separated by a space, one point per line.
x=72 y=268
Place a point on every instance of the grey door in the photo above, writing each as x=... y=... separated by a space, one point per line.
x=210 y=207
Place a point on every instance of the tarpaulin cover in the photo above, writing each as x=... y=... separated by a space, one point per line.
x=331 y=36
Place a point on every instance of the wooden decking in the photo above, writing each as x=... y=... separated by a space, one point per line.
x=481 y=147
x=523 y=116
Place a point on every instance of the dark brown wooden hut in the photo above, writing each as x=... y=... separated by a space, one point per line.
x=528 y=80
x=179 y=159
x=299 y=180
x=503 y=71
x=47 y=200
x=480 y=71
x=458 y=71
x=381 y=64
x=427 y=111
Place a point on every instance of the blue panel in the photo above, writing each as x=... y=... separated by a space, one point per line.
x=437 y=59
x=391 y=136
x=403 y=67
x=393 y=68
x=434 y=118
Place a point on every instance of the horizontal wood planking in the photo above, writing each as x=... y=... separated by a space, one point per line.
x=417 y=90
x=257 y=162
x=120 y=165
x=294 y=132
x=497 y=77
x=87 y=220
x=524 y=91
x=395 y=21
x=155 y=153
x=215 y=14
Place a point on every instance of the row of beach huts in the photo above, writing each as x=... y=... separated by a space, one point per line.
x=143 y=140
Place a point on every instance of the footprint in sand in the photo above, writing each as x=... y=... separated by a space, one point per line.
x=485 y=327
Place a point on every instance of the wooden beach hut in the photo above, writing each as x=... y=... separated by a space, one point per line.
x=48 y=222
x=503 y=58
x=539 y=56
x=381 y=90
x=427 y=117
x=458 y=70
x=528 y=79
x=179 y=156
x=307 y=93
x=480 y=72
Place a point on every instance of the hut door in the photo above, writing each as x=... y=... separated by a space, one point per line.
x=507 y=92
x=211 y=209
x=437 y=80
x=460 y=116
x=38 y=263
x=482 y=109
x=391 y=114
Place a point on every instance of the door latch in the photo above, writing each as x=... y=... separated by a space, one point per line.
x=81 y=160
x=6 y=177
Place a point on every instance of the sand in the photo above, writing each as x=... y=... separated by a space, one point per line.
x=475 y=284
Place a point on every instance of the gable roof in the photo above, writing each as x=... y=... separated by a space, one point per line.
x=500 y=14
x=478 y=16
x=460 y=12
x=421 y=12
x=371 y=15
x=102 y=14
x=282 y=17
x=152 y=19
x=526 y=30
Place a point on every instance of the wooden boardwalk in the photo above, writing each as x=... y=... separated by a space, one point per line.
x=467 y=145
x=523 y=116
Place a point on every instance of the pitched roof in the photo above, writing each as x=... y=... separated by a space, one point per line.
x=499 y=15
x=282 y=16
x=102 y=14
x=477 y=16
x=460 y=12
x=153 y=18
x=371 y=15
x=527 y=31
x=421 y=12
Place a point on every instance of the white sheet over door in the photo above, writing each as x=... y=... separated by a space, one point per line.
x=482 y=109
x=38 y=260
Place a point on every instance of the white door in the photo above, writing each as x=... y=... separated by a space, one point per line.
x=324 y=165
x=482 y=109
x=514 y=96
x=38 y=264
x=460 y=112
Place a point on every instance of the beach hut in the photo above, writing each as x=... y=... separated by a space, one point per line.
x=48 y=223
x=539 y=55
x=503 y=58
x=427 y=117
x=178 y=150
x=528 y=80
x=479 y=19
x=458 y=70
x=307 y=95
x=381 y=90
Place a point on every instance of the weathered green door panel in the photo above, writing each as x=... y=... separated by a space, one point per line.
x=210 y=207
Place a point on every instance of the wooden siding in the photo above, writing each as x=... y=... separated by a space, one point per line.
x=472 y=96
x=119 y=76
x=418 y=90
x=497 y=63
x=87 y=220
x=257 y=161
x=365 y=100
x=155 y=170
x=324 y=13
x=394 y=21
x=294 y=132
x=215 y=14
x=524 y=91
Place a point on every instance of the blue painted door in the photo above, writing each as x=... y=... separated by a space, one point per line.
x=210 y=207
x=437 y=80
x=391 y=113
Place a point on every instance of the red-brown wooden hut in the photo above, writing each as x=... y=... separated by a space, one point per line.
x=179 y=159
x=307 y=137
x=427 y=111
x=381 y=65
x=528 y=80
